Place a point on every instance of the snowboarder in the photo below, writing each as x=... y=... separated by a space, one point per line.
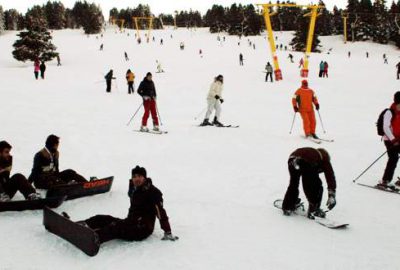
x=301 y=63
x=302 y=102
x=391 y=129
x=45 y=172
x=42 y=69
x=58 y=60
x=109 y=77
x=291 y=58
x=130 y=78
x=101 y=47
x=147 y=91
x=398 y=70
x=214 y=101
x=159 y=67
x=321 y=69
x=325 y=72
x=36 y=68
x=241 y=59
x=146 y=206
x=308 y=163
x=9 y=185
x=269 y=70
x=126 y=56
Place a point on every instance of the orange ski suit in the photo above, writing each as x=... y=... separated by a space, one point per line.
x=303 y=99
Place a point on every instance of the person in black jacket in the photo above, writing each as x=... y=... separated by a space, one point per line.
x=147 y=90
x=42 y=69
x=45 y=172
x=108 y=78
x=307 y=163
x=9 y=185
x=146 y=205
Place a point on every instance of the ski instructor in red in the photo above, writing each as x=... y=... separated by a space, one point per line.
x=303 y=101
x=147 y=90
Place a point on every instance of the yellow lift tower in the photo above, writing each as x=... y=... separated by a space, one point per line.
x=119 y=22
x=149 y=19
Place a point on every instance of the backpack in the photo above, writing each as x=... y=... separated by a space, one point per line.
x=379 y=123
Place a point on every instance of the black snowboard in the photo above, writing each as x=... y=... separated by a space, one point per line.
x=80 y=236
x=52 y=202
x=78 y=190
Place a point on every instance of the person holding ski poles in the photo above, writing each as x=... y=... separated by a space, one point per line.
x=108 y=78
x=269 y=70
x=214 y=101
x=147 y=91
x=130 y=78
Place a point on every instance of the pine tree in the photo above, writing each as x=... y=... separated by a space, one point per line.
x=34 y=15
x=2 y=25
x=299 y=41
x=89 y=16
x=35 y=43
x=381 y=25
x=55 y=14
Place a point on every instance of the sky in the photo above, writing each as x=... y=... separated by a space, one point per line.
x=157 y=6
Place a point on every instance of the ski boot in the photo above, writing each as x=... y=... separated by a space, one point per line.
x=205 y=123
x=156 y=129
x=144 y=129
x=314 y=136
x=34 y=196
x=217 y=123
x=386 y=185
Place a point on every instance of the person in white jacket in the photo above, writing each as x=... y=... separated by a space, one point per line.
x=214 y=101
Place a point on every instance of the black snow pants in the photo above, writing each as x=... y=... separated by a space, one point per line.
x=109 y=228
x=312 y=186
x=269 y=74
x=48 y=180
x=130 y=88
x=108 y=82
x=393 y=154
x=18 y=182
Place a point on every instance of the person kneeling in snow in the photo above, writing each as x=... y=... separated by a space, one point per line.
x=308 y=163
x=146 y=205
x=10 y=185
x=214 y=101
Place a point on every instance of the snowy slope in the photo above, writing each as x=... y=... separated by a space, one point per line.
x=218 y=184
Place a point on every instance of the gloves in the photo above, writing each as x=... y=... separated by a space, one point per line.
x=4 y=197
x=331 y=200
x=317 y=107
x=395 y=142
x=169 y=236
x=217 y=97
x=221 y=100
x=295 y=109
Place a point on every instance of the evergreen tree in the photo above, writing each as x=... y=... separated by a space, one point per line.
x=215 y=19
x=381 y=25
x=55 y=14
x=35 y=43
x=12 y=19
x=34 y=15
x=89 y=16
x=2 y=25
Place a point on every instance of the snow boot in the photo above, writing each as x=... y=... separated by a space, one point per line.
x=217 y=123
x=205 y=123
x=287 y=212
x=315 y=136
x=156 y=128
x=315 y=211
x=144 y=129
x=34 y=196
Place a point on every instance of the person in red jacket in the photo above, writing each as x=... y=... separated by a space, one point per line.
x=325 y=73
x=303 y=101
x=391 y=128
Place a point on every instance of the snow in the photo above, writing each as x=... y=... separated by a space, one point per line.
x=218 y=184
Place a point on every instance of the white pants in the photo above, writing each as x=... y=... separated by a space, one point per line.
x=213 y=104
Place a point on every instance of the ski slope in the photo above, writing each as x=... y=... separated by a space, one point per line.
x=218 y=184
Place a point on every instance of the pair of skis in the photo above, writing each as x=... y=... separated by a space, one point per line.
x=387 y=189
x=319 y=140
x=150 y=131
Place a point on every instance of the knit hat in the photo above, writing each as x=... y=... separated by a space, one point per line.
x=140 y=171
x=149 y=74
x=304 y=83
x=397 y=97
x=4 y=145
x=51 y=141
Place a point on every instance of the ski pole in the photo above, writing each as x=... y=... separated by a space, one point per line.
x=373 y=163
x=294 y=118
x=135 y=114
x=320 y=119
x=202 y=112
x=158 y=113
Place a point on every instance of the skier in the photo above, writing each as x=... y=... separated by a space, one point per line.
x=325 y=72
x=285 y=48
x=398 y=70
x=58 y=60
x=201 y=53
x=241 y=59
x=10 y=185
x=161 y=42
x=130 y=78
x=146 y=206
x=321 y=69
x=182 y=46
x=301 y=63
x=308 y=163
x=159 y=67
x=45 y=172
x=269 y=70
x=367 y=54
x=349 y=54
x=42 y=69
x=391 y=128
x=214 y=101
x=126 y=56
x=36 y=68
x=108 y=78
x=147 y=91
x=101 y=47
x=291 y=58
x=302 y=102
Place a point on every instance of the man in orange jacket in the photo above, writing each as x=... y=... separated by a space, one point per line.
x=303 y=101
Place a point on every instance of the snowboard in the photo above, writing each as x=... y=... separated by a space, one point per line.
x=80 y=236
x=52 y=202
x=322 y=221
x=78 y=190
x=396 y=190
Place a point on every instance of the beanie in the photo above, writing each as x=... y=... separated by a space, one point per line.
x=140 y=171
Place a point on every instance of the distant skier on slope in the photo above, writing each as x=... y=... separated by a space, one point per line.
x=321 y=69
x=291 y=58
x=398 y=70
x=391 y=138
x=126 y=56
x=301 y=63
x=146 y=206
x=109 y=77
x=325 y=71
x=36 y=68
x=45 y=171
x=42 y=69
x=302 y=102
x=241 y=59
x=308 y=163
x=147 y=90
x=9 y=185
x=159 y=67
x=214 y=101
x=269 y=70
x=130 y=78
